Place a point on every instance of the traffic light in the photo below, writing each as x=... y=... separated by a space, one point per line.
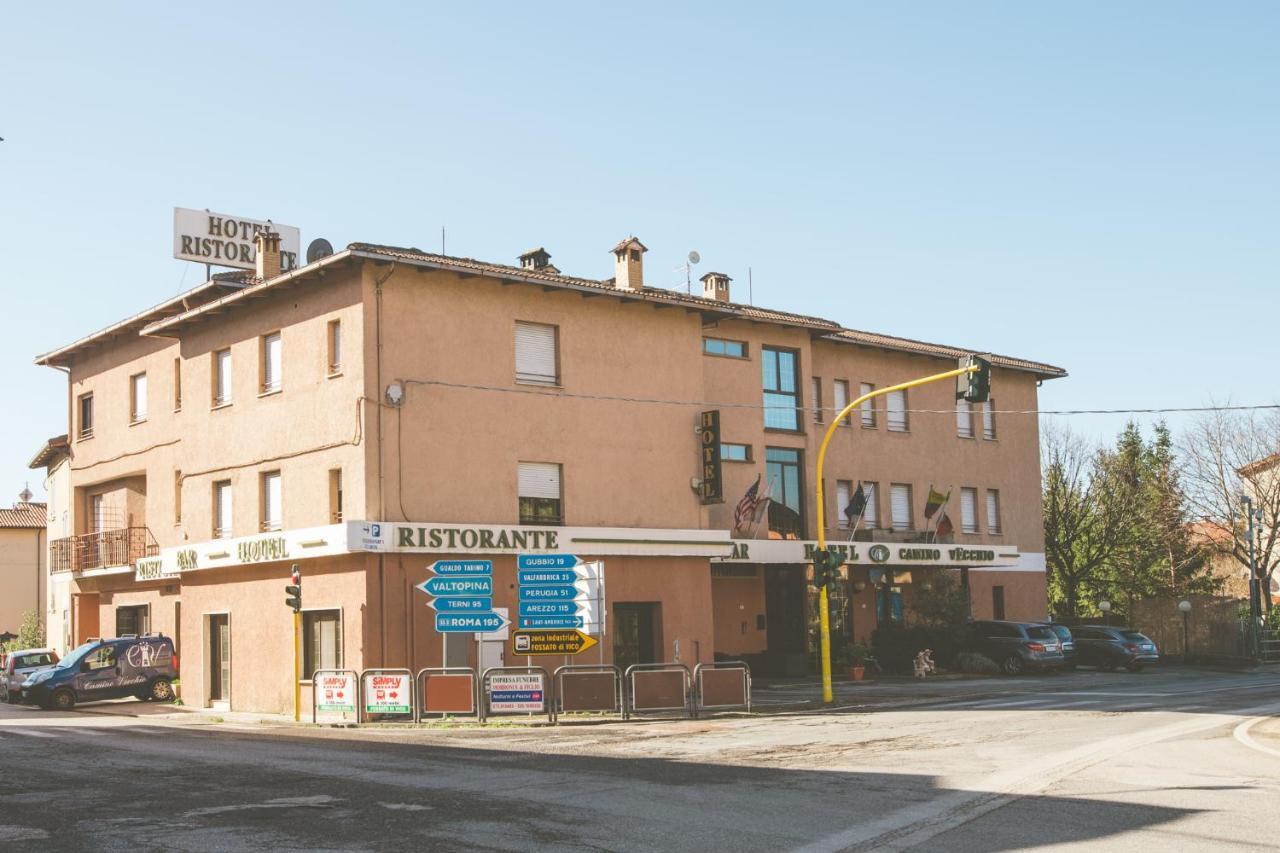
x=826 y=566
x=294 y=590
x=976 y=386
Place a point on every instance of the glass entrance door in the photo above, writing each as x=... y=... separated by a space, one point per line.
x=219 y=658
x=634 y=634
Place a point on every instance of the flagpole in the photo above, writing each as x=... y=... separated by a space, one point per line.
x=768 y=491
x=937 y=516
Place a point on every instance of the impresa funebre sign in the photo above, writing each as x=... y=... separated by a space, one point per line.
x=227 y=241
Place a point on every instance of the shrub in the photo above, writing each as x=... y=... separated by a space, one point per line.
x=978 y=663
x=895 y=646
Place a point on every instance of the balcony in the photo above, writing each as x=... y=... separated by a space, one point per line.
x=121 y=547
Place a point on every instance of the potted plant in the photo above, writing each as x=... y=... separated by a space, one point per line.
x=858 y=654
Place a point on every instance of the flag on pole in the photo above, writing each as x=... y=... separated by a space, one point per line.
x=746 y=509
x=857 y=505
x=935 y=502
x=944 y=527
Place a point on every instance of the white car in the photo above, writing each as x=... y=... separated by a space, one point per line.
x=20 y=664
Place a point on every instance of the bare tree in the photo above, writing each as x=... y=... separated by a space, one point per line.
x=1087 y=516
x=1226 y=455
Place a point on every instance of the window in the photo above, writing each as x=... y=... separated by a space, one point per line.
x=321 y=641
x=335 y=495
x=137 y=397
x=540 y=494
x=270 y=485
x=222 y=377
x=103 y=657
x=85 y=408
x=993 y=511
x=786 y=490
x=270 y=352
x=133 y=620
x=781 y=389
x=989 y=420
x=900 y=506
x=841 y=398
x=537 y=354
x=222 y=509
x=964 y=419
x=870 y=516
x=817 y=399
x=969 y=510
x=869 y=406
x=735 y=452
x=98 y=513
x=177 y=497
x=335 y=347
x=896 y=408
x=719 y=346
x=844 y=493
x=177 y=384
x=997 y=602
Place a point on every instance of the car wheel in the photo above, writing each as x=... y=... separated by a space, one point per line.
x=1133 y=667
x=1012 y=665
x=161 y=690
x=62 y=699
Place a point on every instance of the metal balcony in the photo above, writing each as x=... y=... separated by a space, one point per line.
x=120 y=547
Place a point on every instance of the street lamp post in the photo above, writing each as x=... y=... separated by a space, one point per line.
x=1105 y=607
x=1255 y=586
x=1185 y=607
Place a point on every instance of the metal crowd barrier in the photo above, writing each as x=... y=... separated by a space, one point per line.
x=547 y=706
x=658 y=687
x=589 y=687
x=449 y=695
x=349 y=691
x=364 y=712
x=721 y=686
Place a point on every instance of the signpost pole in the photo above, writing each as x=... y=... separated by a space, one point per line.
x=297 y=666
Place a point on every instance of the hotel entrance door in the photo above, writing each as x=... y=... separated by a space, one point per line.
x=635 y=634
x=219 y=658
x=784 y=603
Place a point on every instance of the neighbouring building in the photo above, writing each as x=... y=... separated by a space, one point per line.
x=54 y=458
x=380 y=408
x=22 y=563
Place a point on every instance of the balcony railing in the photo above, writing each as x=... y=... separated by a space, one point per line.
x=120 y=547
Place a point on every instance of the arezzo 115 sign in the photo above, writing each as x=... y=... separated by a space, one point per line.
x=227 y=241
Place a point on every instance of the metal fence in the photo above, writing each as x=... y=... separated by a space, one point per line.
x=1213 y=627
x=120 y=547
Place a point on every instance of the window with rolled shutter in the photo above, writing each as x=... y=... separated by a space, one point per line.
x=869 y=515
x=536 y=357
x=964 y=419
x=222 y=509
x=841 y=395
x=989 y=420
x=844 y=490
x=540 y=493
x=868 y=407
x=900 y=506
x=222 y=377
x=896 y=407
x=993 y=511
x=272 y=355
x=817 y=399
x=271 y=501
x=969 y=510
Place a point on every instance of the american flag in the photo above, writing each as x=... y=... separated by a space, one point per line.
x=746 y=509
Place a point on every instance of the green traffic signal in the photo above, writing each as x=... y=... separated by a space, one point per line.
x=974 y=387
x=826 y=566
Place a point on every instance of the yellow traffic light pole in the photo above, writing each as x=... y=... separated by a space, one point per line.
x=824 y=618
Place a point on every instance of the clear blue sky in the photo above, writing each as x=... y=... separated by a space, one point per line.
x=1090 y=184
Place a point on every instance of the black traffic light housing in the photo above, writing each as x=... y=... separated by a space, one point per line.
x=294 y=591
x=976 y=386
x=826 y=566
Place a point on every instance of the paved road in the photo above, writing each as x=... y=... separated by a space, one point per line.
x=1163 y=761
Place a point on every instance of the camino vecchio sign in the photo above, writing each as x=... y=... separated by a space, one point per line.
x=227 y=241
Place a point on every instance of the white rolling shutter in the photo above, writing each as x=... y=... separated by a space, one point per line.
x=969 y=510
x=539 y=480
x=140 y=397
x=223 y=370
x=869 y=517
x=896 y=405
x=993 y=511
x=536 y=354
x=843 y=493
x=841 y=393
x=900 y=505
x=222 y=527
x=964 y=419
x=816 y=399
x=271 y=362
x=271 y=501
x=868 y=407
x=988 y=419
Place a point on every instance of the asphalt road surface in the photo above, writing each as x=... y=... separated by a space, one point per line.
x=1164 y=760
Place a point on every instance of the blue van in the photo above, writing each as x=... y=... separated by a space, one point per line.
x=144 y=667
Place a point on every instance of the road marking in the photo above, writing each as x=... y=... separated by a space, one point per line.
x=30 y=732
x=1241 y=734
x=1035 y=701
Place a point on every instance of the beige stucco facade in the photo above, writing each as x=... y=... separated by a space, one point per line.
x=23 y=570
x=445 y=448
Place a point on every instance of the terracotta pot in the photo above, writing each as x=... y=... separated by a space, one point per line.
x=856 y=672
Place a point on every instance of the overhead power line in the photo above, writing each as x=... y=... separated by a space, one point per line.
x=713 y=404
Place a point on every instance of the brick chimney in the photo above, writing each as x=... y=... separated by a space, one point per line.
x=715 y=285
x=535 y=259
x=268 y=263
x=628 y=265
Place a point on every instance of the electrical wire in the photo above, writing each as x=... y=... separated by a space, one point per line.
x=459 y=386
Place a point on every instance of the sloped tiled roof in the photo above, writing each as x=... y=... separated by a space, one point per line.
x=23 y=515
x=49 y=451
x=879 y=341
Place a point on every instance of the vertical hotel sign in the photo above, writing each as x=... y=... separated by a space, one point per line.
x=711 y=488
x=227 y=241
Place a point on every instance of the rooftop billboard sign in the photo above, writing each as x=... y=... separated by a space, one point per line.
x=227 y=241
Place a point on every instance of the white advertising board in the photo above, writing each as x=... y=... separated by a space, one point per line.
x=227 y=241
x=335 y=691
x=387 y=693
x=517 y=692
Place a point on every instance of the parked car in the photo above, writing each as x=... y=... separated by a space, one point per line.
x=1065 y=639
x=144 y=667
x=1016 y=647
x=1108 y=648
x=18 y=665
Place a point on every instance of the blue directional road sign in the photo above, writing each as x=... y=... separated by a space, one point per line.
x=547 y=622
x=461 y=567
x=547 y=561
x=464 y=623
x=548 y=608
x=463 y=586
x=541 y=577
x=547 y=593
x=461 y=605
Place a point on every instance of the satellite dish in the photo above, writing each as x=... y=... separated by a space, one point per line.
x=694 y=257
x=319 y=248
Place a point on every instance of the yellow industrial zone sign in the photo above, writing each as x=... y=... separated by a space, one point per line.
x=551 y=642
